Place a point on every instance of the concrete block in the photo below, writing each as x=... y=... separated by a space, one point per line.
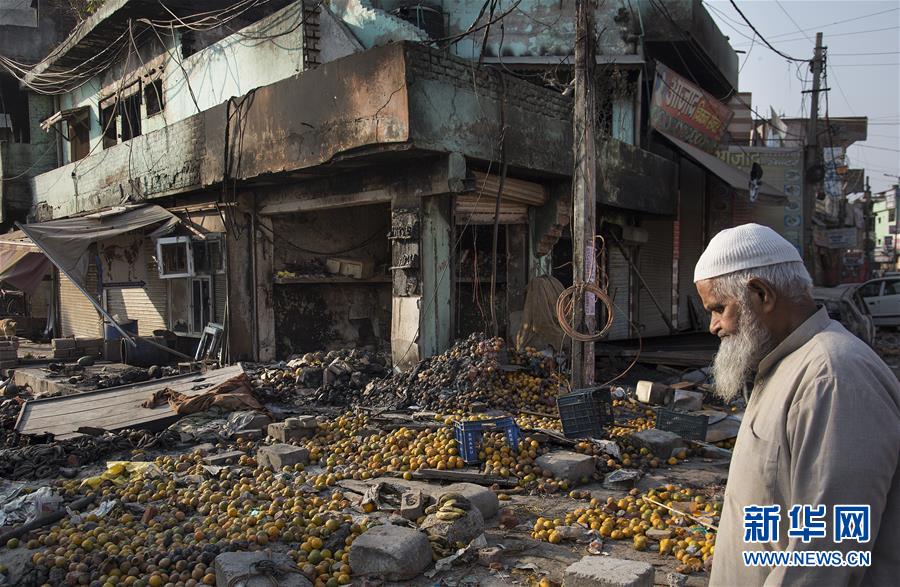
x=282 y=433
x=601 y=571
x=395 y=553
x=413 y=504
x=653 y=393
x=62 y=344
x=464 y=529
x=660 y=442
x=8 y=354
x=230 y=457
x=570 y=466
x=481 y=497
x=237 y=568
x=690 y=401
x=308 y=422
x=281 y=455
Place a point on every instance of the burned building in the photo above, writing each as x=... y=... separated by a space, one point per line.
x=340 y=171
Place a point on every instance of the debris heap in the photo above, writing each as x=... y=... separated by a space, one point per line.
x=476 y=370
x=334 y=378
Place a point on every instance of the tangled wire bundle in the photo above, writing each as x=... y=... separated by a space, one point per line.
x=565 y=306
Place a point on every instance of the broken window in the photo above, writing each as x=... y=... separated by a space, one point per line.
x=79 y=135
x=183 y=256
x=208 y=256
x=201 y=303
x=191 y=304
x=108 y=123
x=14 y=120
x=174 y=257
x=153 y=97
x=130 y=111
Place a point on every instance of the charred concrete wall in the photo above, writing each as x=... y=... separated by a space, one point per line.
x=313 y=316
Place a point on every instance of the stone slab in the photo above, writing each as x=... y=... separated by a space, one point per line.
x=567 y=465
x=277 y=456
x=395 y=553
x=601 y=571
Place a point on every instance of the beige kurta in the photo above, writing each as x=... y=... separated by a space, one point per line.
x=822 y=427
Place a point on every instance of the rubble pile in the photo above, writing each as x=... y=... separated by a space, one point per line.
x=168 y=521
x=677 y=521
x=335 y=378
x=477 y=370
x=41 y=461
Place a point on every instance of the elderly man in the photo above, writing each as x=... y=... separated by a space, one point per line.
x=821 y=429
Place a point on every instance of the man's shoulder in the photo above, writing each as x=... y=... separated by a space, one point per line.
x=837 y=353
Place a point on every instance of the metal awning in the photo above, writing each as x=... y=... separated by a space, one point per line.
x=66 y=243
x=736 y=178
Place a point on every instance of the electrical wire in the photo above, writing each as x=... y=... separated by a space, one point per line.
x=762 y=38
x=845 y=34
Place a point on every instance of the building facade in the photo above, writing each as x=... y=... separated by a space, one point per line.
x=335 y=168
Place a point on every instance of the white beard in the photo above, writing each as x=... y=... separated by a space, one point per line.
x=739 y=355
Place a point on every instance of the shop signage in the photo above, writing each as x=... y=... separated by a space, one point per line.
x=683 y=110
x=842 y=238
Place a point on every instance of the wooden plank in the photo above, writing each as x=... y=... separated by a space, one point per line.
x=462 y=477
x=114 y=408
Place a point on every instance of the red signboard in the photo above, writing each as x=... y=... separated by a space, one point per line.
x=683 y=110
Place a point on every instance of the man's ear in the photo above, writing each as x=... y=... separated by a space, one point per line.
x=762 y=294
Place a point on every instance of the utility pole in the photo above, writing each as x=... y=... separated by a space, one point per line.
x=868 y=243
x=812 y=159
x=584 y=190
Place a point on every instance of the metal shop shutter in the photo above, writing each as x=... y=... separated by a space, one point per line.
x=691 y=238
x=619 y=290
x=655 y=265
x=220 y=293
x=148 y=305
x=77 y=316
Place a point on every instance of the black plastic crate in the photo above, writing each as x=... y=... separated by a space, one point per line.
x=585 y=412
x=684 y=425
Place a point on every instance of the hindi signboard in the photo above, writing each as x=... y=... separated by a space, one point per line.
x=683 y=110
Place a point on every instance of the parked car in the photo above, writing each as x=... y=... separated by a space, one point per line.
x=882 y=297
x=845 y=304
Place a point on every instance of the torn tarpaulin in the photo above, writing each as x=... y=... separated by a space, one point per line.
x=232 y=394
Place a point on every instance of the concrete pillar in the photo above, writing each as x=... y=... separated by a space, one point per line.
x=240 y=332
x=437 y=292
x=264 y=302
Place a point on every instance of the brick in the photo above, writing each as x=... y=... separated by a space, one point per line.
x=230 y=457
x=691 y=401
x=282 y=433
x=601 y=571
x=62 y=343
x=660 y=442
x=281 y=455
x=413 y=504
x=570 y=466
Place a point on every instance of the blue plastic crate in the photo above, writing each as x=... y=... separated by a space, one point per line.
x=469 y=434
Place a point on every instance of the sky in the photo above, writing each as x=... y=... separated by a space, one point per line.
x=862 y=83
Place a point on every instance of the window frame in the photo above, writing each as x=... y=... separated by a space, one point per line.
x=160 y=259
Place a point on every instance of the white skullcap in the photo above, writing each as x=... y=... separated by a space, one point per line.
x=743 y=247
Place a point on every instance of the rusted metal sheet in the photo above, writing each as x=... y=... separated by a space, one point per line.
x=115 y=408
